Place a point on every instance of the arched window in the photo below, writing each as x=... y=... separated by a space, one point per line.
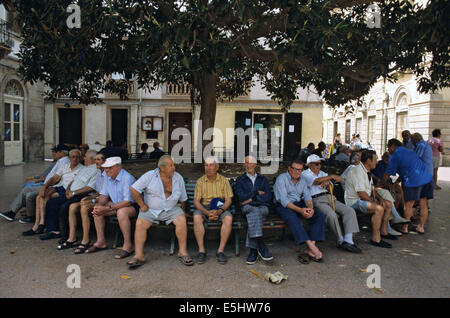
x=14 y=88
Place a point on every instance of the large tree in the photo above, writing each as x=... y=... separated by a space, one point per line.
x=220 y=47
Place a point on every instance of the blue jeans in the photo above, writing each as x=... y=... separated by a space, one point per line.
x=293 y=220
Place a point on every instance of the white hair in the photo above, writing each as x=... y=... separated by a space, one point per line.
x=251 y=159
x=212 y=159
x=91 y=153
x=163 y=160
x=75 y=149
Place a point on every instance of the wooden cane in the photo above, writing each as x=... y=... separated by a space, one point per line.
x=330 y=188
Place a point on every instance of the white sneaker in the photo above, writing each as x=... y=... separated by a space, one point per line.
x=394 y=232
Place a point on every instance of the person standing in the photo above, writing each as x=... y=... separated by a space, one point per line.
x=437 y=148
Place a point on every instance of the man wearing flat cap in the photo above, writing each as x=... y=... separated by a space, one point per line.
x=115 y=199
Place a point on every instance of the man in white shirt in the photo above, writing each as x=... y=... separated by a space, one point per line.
x=164 y=201
x=360 y=196
x=318 y=182
x=54 y=187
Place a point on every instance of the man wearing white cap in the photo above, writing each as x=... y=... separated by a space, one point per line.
x=115 y=199
x=318 y=182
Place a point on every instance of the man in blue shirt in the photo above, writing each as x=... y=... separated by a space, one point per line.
x=115 y=199
x=417 y=181
x=253 y=192
x=423 y=151
x=407 y=142
x=289 y=191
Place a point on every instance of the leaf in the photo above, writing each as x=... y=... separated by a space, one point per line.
x=125 y=276
x=349 y=35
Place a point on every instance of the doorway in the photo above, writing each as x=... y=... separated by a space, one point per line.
x=13 y=132
x=119 y=127
x=178 y=120
x=274 y=123
x=70 y=126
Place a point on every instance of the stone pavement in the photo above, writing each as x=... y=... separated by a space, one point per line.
x=416 y=266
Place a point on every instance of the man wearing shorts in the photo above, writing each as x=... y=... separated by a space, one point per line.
x=417 y=181
x=359 y=194
x=209 y=190
x=164 y=201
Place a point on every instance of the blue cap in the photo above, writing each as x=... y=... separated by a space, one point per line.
x=216 y=203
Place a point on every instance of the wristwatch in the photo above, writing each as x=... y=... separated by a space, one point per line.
x=73 y=193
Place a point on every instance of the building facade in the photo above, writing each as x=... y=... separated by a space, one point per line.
x=153 y=116
x=22 y=105
x=387 y=110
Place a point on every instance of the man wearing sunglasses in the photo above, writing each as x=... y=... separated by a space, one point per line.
x=318 y=183
x=291 y=194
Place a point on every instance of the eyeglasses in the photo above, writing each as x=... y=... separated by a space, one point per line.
x=296 y=169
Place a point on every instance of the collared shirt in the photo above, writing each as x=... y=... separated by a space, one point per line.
x=100 y=180
x=252 y=178
x=309 y=178
x=425 y=153
x=85 y=178
x=118 y=189
x=206 y=190
x=154 y=196
x=67 y=174
x=285 y=191
x=411 y=169
x=61 y=162
x=356 y=181
x=345 y=174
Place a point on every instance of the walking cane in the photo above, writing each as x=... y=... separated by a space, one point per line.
x=330 y=188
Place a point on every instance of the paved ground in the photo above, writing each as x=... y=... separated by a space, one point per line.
x=417 y=266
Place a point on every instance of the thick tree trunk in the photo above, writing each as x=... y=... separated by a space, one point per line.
x=207 y=87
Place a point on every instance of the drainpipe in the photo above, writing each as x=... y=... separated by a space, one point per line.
x=385 y=118
x=138 y=121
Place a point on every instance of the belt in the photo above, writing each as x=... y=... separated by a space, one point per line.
x=320 y=194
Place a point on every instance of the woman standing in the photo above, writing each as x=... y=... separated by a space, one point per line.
x=438 y=148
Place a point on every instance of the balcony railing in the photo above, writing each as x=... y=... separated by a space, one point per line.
x=178 y=90
x=6 y=42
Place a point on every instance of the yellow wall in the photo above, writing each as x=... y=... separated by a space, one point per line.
x=311 y=122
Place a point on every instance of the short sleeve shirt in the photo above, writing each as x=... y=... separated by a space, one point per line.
x=61 y=162
x=357 y=180
x=154 y=196
x=118 y=189
x=435 y=143
x=206 y=190
x=67 y=174
x=85 y=178
x=411 y=169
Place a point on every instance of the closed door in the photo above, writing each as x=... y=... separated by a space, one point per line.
x=119 y=127
x=347 y=131
x=13 y=132
x=70 y=126
x=179 y=120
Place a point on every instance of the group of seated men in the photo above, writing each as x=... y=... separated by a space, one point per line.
x=102 y=188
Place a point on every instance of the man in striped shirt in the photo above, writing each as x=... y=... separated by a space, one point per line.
x=212 y=198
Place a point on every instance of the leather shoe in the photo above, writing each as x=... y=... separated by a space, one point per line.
x=49 y=236
x=201 y=258
x=346 y=246
x=400 y=221
x=221 y=258
x=389 y=237
x=381 y=243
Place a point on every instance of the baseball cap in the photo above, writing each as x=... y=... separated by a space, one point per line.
x=216 y=203
x=313 y=158
x=112 y=161
x=60 y=147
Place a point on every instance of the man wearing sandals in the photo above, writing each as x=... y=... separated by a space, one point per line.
x=291 y=194
x=115 y=199
x=164 y=201
x=254 y=195
x=84 y=208
x=210 y=190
